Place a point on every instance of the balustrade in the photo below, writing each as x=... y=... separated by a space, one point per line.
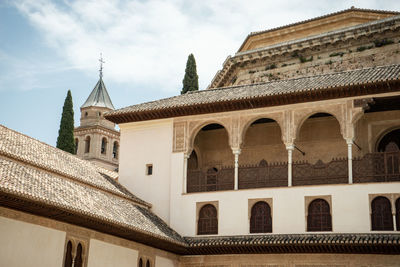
x=333 y=172
x=263 y=175
x=377 y=167
x=373 y=167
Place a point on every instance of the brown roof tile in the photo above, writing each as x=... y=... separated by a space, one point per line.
x=274 y=88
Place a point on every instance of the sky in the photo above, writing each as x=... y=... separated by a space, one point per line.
x=49 y=47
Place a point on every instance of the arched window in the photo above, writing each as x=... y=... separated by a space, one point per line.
x=115 y=150
x=147 y=263
x=140 y=262
x=68 y=255
x=398 y=214
x=104 y=145
x=261 y=220
x=87 y=144
x=208 y=221
x=319 y=216
x=76 y=145
x=78 y=257
x=381 y=215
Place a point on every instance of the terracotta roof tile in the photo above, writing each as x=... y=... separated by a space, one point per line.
x=225 y=94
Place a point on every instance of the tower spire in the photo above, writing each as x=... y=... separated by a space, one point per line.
x=101 y=65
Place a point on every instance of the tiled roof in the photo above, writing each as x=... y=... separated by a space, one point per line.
x=99 y=97
x=36 y=153
x=274 y=88
x=38 y=172
x=297 y=243
x=294 y=239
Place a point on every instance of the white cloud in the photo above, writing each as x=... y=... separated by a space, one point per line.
x=147 y=42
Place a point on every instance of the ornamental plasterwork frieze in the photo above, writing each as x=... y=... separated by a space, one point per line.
x=347 y=112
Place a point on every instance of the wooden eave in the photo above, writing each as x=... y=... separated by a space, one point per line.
x=303 y=96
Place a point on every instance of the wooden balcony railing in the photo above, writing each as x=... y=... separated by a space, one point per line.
x=212 y=180
x=377 y=167
x=333 y=172
x=263 y=175
x=373 y=167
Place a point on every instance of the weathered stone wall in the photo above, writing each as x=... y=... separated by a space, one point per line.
x=352 y=55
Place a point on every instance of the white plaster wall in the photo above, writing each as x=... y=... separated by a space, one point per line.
x=24 y=244
x=105 y=254
x=164 y=262
x=350 y=206
x=147 y=143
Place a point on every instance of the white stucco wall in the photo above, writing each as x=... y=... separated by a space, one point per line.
x=105 y=254
x=151 y=142
x=147 y=143
x=350 y=208
x=164 y=262
x=24 y=244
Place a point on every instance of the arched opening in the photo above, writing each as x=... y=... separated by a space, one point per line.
x=115 y=150
x=147 y=263
x=319 y=216
x=76 y=145
x=212 y=143
x=140 y=262
x=68 y=255
x=320 y=156
x=261 y=219
x=193 y=163
x=390 y=142
x=381 y=214
x=263 y=143
x=208 y=220
x=103 y=145
x=78 y=257
x=87 y=144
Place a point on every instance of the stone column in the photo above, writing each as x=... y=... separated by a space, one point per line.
x=290 y=149
x=394 y=221
x=350 y=159
x=185 y=166
x=236 y=152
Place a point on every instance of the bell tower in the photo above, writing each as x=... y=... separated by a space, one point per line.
x=96 y=139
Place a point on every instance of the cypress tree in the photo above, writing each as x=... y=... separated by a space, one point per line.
x=191 y=79
x=65 y=140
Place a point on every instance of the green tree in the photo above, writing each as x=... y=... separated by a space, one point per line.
x=191 y=79
x=65 y=140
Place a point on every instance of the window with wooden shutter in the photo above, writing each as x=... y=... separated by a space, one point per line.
x=261 y=219
x=319 y=216
x=208 y=220
x=381 y=215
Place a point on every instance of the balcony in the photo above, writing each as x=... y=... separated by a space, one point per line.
x=371 y=168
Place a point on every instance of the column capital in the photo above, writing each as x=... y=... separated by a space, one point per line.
x=289 y=146
x=236 y=151
x=349 y=141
